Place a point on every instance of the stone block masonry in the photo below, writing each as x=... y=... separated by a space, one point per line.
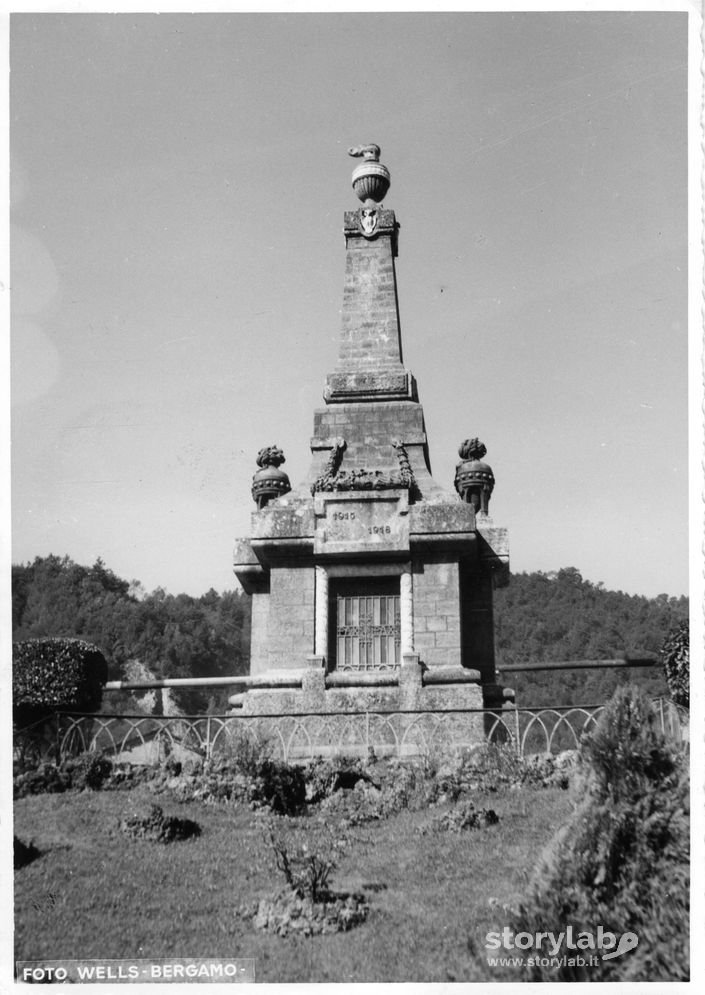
x=369 y=428
x=370 y=338
x=437 y=612
x=290 y=621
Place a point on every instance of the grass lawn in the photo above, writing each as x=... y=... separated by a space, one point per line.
x=96 y=894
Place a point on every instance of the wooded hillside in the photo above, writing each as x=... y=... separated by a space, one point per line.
x=559 y=616
x=538 y=617
x=171 y=635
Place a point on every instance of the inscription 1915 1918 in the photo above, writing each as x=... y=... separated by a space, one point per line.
x=348 y=522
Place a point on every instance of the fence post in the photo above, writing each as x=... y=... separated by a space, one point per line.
x=208 y=737
x=517 y=733
x=663 y=720
x=57 y=724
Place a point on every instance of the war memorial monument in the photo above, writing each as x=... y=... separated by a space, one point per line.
x=371 y=583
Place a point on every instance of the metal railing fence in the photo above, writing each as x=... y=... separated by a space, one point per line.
x=149 y=739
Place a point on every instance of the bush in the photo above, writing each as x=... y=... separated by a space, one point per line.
x=675 y=657
x=45 y=778
x=88 y=771
x=307 y=905
x=346 y=790
x=360 y=799
x=460 y=817
x=325 y=777
x=35 y=743
x=243 y=770
x=243 y=753
x=287 y=913
x=159 y=828
x=124 y=776
x=306 y=865
x=266 y=784
x=280 y=787
x=53 y=674
x=627 y=754
x=494 y=766
x=623 y=860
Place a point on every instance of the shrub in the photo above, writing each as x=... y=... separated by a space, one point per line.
x=172 y=766
x=244 y=770
x=306 y=866
x=53 y=674
x=325 y=777
x=45 y=778
x=88 y=771
x=243 y=752
x=267 y=784
x=280 y=787
x=346 y=790
x=675 y=657
x=626 y=753
x=497 y=765
x=460 y=817
x=159 y=828
x=307 y=905
x=124 y=776
x=34 y=744
x=288 y=913
x=403 y=786
x=622 y=861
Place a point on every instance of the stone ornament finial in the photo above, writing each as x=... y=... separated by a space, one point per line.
x=269 y=481
x=370 y=179
x=474 y=480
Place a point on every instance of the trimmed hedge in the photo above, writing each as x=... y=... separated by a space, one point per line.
x=52 y=674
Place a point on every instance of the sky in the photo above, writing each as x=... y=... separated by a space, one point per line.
x=178 y=189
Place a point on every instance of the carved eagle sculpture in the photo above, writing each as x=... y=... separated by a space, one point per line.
x=370 y=153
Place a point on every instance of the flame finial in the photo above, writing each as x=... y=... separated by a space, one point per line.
x=370 y=153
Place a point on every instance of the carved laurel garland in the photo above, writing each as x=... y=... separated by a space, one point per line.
x=325 y=481
x=359 y=480
x=407 y=474
x=335 y=479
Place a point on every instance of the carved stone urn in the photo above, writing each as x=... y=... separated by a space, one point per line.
x=269 y=481
x=474 y=480
x=370 y=179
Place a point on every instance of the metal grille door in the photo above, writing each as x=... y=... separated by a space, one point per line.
x=368 y=632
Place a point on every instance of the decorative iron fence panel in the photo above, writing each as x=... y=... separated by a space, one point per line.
x=149 y=739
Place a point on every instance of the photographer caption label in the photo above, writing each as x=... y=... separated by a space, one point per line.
x=240 y=971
